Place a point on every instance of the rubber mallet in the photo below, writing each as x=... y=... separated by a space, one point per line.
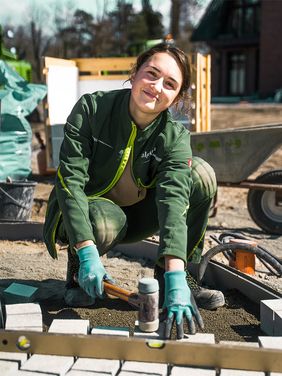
x=146 y=300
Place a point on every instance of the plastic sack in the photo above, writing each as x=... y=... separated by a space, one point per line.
x=19 y=99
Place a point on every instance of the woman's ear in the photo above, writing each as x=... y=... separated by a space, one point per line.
x=131 y=79
x=176 y=100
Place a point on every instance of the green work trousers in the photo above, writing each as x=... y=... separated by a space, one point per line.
x=114 y=225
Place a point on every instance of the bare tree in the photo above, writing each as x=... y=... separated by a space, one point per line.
x=184 y=16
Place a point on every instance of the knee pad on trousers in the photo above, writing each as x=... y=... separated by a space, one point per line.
x=204 y=178
x=109 y=223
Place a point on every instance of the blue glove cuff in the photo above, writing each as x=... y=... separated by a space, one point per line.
x=86 y=252
x=176 y=276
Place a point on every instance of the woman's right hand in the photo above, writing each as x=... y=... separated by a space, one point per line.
x=91 y=271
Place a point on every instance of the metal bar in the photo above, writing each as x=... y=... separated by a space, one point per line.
x=225 y=277
x=157 y=351
x=250 y=184
x=21 y=230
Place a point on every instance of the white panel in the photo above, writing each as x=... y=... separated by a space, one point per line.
x=62 y=92
x=89 y=86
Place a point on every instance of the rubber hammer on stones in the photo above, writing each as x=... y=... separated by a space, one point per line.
x=146 y=300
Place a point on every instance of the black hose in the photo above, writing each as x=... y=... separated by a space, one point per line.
x=276 y=264
x=240 y=236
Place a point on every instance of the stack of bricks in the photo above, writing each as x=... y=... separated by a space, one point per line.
x=18 y=364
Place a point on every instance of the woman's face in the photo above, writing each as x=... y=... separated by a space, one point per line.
x=155 y=87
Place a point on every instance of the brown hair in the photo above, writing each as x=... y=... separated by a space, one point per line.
x=182 y=60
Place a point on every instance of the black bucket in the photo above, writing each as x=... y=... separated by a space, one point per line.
x=16 y=200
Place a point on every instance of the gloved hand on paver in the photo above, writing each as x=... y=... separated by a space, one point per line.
x=179 y=303
x=91 y=271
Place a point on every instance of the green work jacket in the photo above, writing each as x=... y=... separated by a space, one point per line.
x=99 y=138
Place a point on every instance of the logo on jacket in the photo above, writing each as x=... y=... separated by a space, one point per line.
x=148 y=154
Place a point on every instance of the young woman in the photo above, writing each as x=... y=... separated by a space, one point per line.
x=126 y=172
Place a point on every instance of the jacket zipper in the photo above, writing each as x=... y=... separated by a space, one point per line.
x=121 y=167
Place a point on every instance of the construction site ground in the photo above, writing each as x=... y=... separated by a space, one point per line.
x=28 y=262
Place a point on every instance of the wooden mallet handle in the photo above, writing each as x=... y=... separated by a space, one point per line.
x=121 y=293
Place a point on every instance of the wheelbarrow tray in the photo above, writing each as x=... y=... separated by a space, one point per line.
x=235 y=153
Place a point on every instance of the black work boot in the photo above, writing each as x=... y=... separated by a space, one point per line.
x=205 y=298
x=74 y=295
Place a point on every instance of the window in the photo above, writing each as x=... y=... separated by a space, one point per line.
x=236 y=73
x=243 y=18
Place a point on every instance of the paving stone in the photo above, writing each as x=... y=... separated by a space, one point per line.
x=110 y=331
x=19 y=293
x=271 y=343
x=83 y=373
x=25 y=316
x=20 y=358
x=192 y=371
x=132 y=373
x=69 y=326
x=23 y=308
x=277 y=326
x=238 y=343
x=239 y=372
x=198 y=338
x=140 y=334
x=27 y=373
x=8 y=368
x=144 y=368
x=267 y=310
x=107 y=366
x=53 y=364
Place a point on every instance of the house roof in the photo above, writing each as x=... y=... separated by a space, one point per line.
x=210 y=24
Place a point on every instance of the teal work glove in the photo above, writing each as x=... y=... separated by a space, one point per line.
x=91 y=271
x=179 y=302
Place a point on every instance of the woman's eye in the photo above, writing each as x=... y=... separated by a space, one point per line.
x=170 y=85
x=152 y=73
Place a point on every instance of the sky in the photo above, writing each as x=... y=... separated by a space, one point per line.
x=15 y=11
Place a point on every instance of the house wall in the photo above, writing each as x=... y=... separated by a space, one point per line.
x=270 y=71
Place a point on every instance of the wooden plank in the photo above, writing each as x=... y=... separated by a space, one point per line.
x=105 y=64
x=104 y=77
x=51 y=61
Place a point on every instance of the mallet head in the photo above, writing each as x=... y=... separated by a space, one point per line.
x=148 y=316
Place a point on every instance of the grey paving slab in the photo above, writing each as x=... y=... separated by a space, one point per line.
x=20 y=358
x=270 y=342
x=110 y=331
x=107 y=366
x=140 y=334
x=27 y=373
x=22 y=308
x=239 y=372
x=145 y=367
x=85 y=373
x=24 y=316
x=238 y=343
x=198 y=338
x=267 y=310
x=277 y=326
x=56 y=365
x=192 y=371
x=73 y=326
x=132 y=373
x=7 y=368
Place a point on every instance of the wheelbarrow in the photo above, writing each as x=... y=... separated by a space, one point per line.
x=235 y=154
